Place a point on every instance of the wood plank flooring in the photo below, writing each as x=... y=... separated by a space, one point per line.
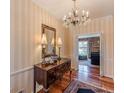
x=85 y=74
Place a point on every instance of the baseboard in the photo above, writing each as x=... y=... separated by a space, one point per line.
x=109 y=76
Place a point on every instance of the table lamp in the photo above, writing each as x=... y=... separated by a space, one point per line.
x=59 y=43
x=44 y=43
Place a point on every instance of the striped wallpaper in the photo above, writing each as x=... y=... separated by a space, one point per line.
x=26 y=20
x=104 y=26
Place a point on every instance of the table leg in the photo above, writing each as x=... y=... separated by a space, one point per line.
x=46 y=90
x=34 y=87
x=70 y=74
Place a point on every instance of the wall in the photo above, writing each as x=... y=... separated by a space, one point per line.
x=104 y=26
x=26 y=20
x=25 y=36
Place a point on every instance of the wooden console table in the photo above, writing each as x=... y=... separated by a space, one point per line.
x=48 y=75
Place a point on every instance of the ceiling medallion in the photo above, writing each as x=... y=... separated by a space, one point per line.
x=75 y=18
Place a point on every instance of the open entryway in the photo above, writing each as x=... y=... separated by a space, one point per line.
x=89 y=53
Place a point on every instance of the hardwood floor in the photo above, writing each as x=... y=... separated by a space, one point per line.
x=90 y=75
x=88 y=69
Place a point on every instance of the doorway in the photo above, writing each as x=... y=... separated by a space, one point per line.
x=89 y=53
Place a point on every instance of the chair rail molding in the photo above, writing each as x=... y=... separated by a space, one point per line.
x=21 y=70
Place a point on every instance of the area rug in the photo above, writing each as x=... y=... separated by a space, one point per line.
x=75 y=85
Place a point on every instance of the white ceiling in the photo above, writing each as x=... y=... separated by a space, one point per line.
x=59 y=8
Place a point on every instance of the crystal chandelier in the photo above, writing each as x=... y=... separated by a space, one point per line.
x=75 y=18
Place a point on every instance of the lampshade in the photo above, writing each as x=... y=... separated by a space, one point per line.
x=44 y=39
x=59 y=42
x=53 y=41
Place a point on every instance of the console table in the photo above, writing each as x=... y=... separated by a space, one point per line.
x=49 y=74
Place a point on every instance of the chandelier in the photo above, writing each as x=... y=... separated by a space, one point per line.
x=76 y=18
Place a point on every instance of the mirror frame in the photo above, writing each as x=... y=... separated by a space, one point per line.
x=51 y=29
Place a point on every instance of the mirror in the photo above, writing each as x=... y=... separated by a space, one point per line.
x=50 y=32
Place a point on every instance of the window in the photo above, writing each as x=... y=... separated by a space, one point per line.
x=83 y=48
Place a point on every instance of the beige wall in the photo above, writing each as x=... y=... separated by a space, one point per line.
x=104 y=26
x=26 y=20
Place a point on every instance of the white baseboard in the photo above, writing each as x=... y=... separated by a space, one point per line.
x=109 y=76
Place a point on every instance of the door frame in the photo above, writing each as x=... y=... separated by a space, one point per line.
x=97 y=34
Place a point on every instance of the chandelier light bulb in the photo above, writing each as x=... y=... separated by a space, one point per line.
x=64 y=18
x=87 y=14
x=70 y=14
x=76 y=11
x=83 y=12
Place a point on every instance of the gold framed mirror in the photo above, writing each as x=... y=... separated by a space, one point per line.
x=50 y=32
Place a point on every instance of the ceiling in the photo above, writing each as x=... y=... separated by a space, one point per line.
x=59 y=8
